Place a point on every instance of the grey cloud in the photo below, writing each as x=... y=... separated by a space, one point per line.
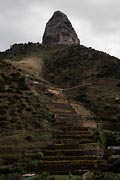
x=101 y=14
x=96 y=22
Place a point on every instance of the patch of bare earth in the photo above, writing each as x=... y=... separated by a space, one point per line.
x=29 y=65
x=78 y=107
x=82 y=111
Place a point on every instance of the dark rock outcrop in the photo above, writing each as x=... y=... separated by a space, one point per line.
x=59 y=30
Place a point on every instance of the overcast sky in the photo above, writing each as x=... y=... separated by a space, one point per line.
x=97 y=22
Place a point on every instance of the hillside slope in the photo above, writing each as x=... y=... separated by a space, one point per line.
x=25 y=122
x=37 y=85
x=85 y=75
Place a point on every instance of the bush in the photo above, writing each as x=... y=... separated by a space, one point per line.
x=39 y=155
x=12 y=176
x=104 y=176
x=49 y=116
x=116 y=166
x=30 y=137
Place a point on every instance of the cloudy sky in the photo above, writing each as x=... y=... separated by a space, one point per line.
x=97 y=22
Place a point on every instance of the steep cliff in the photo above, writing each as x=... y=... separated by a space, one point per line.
x=59 y=30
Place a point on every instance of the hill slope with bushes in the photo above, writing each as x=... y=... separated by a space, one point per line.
x=86 y=75
x=83 y=75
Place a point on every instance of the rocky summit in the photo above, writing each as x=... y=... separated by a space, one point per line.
x=59 y=30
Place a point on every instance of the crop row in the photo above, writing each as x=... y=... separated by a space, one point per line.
x=71 y=152
x=68 y=165
x=12 y=149
x=73 y=141
x=59 y=105
x=77 y=131
x=58 y=136
x=66 y=118
x=73 y=128
x=72 y=146
x=58 y=158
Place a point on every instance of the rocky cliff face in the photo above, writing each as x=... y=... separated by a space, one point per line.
x=59 y=30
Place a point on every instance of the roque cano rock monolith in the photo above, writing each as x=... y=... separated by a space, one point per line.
x=59 y=30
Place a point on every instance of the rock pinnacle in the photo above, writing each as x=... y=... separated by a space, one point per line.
x=59 y=30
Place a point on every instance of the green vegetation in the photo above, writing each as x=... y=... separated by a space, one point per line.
x=46 y=176
x=14 y=176
x=25 y=122
x=19 y=51
x=110 y=138
x=92 y=76
x=43 y=176
x=88 y=76
x=17 y=103
x=104 y=176
x=27 y=125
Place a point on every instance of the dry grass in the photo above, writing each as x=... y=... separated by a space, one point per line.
x=30 y=65
x=81 y=110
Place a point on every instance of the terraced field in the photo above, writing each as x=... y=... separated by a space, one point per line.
x=74 y=148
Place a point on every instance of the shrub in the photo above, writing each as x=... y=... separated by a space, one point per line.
x=39 y=155
x=14 y=177
x=104 y=176
x=116 y=166
x=49 y=116
x=30 y=137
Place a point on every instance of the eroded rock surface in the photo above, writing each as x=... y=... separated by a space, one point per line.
x=59 y=30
